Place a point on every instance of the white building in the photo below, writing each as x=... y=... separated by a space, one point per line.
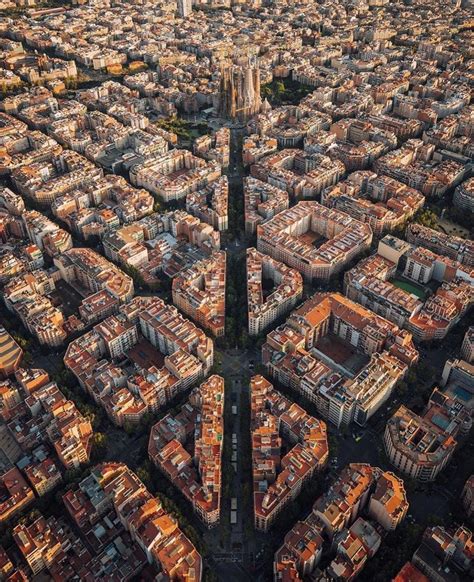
x=185 y=7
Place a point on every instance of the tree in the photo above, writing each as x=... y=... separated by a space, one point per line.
x=70 y=83
x=244 y=340
x=144 y=474
x=72 y=475
x=425 y=374
x=427 y=217
x=100 y=440
x=135 y=274
x=333 y=444
x=209 y=575
x=21 y=341
x=411 y=377
x=402 y=388
x=89 y=414
x=130 y=428
x=280 y=88
x=260 y=369
x=217 y=364
x=147 y=421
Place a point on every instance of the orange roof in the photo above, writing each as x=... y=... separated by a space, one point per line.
x=409 y=573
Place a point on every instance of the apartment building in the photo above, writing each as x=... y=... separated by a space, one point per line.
x=464 y=195
x=11 y=202
x=295 y=354
x=279 y=478
x=169 y=242
x=442 y=310
x=444 y=553
x=414 y=165
x=357 y=544
x=91 y=271
x=200 y=292
x=211 y=204
x=28 y=296
x=16 y=494
x=44 y=476
x=256 y=147
x=315 y=240
x=458 y=249
x=265 y=306
x=467 y=347
x=214 y=147
x=421 y=446
x=301 y=174
x=40 y=543
x=336 y=516
x=43 y=182
x=45 y=233
x=458 y=377
x=381 y=202
x=175 y=174
x=262 y=202
x=166 y=352
x=10 y=354
x=98 y=306
x=198 y=474
x=369 y=284
x=388 y=504
x=45 y=415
